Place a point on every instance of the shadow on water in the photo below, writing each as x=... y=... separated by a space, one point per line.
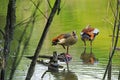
x=78 y=71
x=84 y=67
x=88 y=57
x=63 y=75
x=54 y=69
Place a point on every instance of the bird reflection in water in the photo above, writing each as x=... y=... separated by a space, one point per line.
x=58 y=71
x=65 y=75
x=62 y=75
x=88 y=58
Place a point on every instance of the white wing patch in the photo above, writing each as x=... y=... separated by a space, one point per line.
x=61 y=41
x=96 y=31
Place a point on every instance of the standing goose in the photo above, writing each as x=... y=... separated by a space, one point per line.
x=65 y=40
x=89 y=34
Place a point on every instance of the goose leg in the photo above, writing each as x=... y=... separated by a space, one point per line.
x=85 y=50
x=91 y=50
x=63 y=46
x=67 y=49
x=84 y=43
x=67 y=62
x=90 y=44
x=67 y=66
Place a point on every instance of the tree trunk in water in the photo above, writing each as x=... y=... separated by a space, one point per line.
x=9 y=31
x=36 y=54
x=114 y=42
x=119 y=75
x=18 y=58
x=109 y=71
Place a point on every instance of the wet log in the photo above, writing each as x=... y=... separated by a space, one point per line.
x=53 y=60
x=60 y=56
x=41 y=56
x=53 y=64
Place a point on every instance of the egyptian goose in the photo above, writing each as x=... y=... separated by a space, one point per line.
x=65 y=40
x=89 y=34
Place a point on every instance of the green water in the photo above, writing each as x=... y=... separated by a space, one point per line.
x=74 y=15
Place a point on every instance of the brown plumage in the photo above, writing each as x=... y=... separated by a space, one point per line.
x=65 y=40
x=87 y=29
x=89 y=34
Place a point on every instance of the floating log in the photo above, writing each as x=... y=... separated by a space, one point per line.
x=46 y=63
x=45 y=56
x=60 y=57
x=53 y=63
x=41 y=56
x=53 y=60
